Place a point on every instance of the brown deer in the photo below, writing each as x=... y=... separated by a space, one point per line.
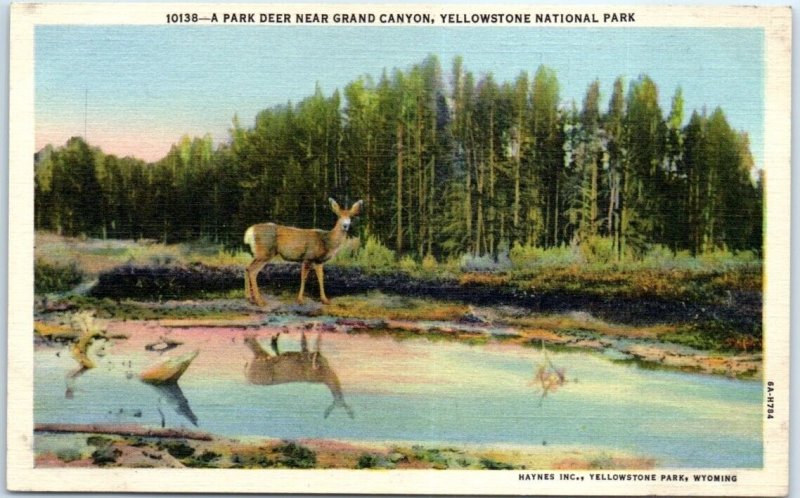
x=293 y=366
x=309 y=247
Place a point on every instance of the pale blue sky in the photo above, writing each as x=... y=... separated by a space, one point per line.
x=148 y=85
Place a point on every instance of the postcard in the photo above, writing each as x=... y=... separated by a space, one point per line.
x=417 y=249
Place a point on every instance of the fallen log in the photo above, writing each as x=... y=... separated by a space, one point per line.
x=123 y=430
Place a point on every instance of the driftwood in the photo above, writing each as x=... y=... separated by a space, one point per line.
x=123 y=430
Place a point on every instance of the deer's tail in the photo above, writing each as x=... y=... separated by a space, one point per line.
x=250 y=238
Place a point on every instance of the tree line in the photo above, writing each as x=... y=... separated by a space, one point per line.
x=468 y=165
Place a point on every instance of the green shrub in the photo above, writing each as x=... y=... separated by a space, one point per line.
x=658 y=256
x=485 y=263
x=408 y=264
x=296 y=456
x=69 y=454
x=531 y=257
x=178 y=449
x=601 y=462
x=106 y=452
x=374 y=255
x=99 y=441
x=722 y=259
x=55 y=277
x=489 y=464
x=429 y=263
x=598 y=250
x=367 y=461
x=105 y=455
x=204 y=460
x=371 y=461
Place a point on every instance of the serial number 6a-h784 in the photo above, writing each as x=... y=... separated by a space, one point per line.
x=770 y=399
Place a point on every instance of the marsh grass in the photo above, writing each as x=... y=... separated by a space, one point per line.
x=90 y=257
x=590 y=268
x=54 y=276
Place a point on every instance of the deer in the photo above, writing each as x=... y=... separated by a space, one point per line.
x=311 y=247
x=266 y=369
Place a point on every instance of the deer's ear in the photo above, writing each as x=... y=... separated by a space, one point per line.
x=356 y=209
x=334 y=206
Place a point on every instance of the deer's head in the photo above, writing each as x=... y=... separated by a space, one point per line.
x=345 y=215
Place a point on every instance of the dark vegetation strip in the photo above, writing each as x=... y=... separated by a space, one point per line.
x=740 y=310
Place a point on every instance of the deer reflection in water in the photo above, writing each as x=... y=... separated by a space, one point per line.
x=268 y=369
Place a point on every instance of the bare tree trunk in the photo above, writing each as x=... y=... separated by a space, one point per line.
x=479 y=227
x=368 y=193
x=399 y=241
x=468 y=201
x=432 y=180
x=593 y=200
x=431 y=194
x=625 y=196
x=555 y=211
x=492 y=214
x=420 y=186
x=517 y=167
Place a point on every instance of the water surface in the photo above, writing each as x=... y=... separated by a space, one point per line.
x=413 y=390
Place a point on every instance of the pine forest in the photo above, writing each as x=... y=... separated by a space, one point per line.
x=448 y=163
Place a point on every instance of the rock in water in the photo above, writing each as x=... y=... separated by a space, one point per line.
x=169 y=370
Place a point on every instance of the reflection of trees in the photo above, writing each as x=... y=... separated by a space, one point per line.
x=268 y=369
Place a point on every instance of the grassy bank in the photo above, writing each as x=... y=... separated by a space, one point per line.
x=711 y=277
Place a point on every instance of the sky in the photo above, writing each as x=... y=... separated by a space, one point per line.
x=135 y=90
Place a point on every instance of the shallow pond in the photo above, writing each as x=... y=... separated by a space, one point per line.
x=414 y=390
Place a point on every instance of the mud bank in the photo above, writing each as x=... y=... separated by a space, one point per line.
x=739 y=310
x=402 y=318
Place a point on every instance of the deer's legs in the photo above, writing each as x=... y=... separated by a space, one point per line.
x=251 y=282
x=303 y=275
x=321 y=280
x=248 y=291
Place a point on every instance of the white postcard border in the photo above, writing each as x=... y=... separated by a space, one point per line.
x=772 y=480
